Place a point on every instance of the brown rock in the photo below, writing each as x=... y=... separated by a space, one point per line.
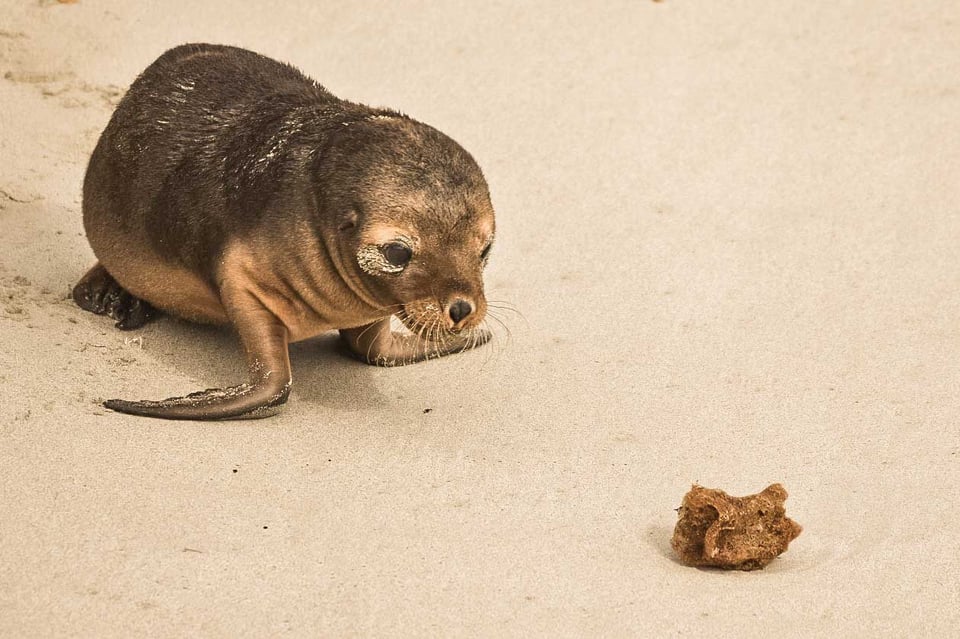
x=740 y=533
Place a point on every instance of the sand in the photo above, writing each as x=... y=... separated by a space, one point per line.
x=732 y=234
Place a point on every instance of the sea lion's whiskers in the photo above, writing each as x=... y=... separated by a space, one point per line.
x=493 y=316
x=437 y=337
x=422 y=336
x=506 y=307
x=369 y=347
x=484 y=326
x=364 y=331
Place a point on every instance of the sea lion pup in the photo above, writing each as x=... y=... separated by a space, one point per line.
x=229 y=188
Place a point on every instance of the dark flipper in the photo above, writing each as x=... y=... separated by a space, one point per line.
x=378 y=345
x=99 y=293
x=264 y=339
x=245 y=401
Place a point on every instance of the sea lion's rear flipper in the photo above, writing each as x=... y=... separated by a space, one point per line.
x=265 y=342
x=98 y=292
x=379 y=345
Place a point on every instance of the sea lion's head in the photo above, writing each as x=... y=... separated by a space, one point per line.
x=414 y=222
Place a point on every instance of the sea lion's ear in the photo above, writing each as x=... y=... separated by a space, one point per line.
x=348 y=221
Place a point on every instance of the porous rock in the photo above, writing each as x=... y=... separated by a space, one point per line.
x=737 y=533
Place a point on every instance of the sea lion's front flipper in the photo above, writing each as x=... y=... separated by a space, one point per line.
x=264 y=339
x=377 y=344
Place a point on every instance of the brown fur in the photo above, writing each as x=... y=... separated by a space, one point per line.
x=231 y=189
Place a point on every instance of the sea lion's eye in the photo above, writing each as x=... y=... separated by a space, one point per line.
x=485 y=254
x=397 y=254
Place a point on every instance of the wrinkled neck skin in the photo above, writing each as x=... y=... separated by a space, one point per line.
x=343 y=260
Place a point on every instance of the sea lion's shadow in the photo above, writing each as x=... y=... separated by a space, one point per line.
x=323 y=374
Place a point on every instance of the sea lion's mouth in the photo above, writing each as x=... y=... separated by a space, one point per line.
x=434 y=321
x=425 y=320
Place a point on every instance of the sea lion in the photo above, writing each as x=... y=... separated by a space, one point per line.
x=229 y=188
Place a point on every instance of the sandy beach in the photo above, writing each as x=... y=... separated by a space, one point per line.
x=730 y=232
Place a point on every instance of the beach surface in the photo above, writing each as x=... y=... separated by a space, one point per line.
x=730 y=232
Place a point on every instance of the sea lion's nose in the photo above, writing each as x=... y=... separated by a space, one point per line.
x=460 y=309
